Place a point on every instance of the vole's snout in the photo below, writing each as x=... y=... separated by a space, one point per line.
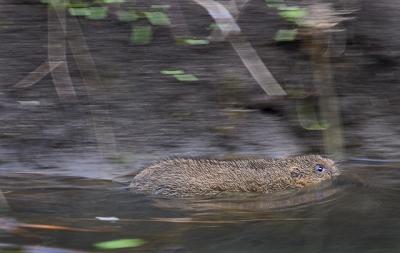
x=336 y=171
x=338 y=167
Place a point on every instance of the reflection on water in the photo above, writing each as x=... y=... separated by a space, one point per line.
x=356 y=213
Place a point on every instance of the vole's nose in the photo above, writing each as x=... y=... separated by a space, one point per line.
x=336 y=171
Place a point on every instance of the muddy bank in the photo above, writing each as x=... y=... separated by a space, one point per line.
x=135 y=114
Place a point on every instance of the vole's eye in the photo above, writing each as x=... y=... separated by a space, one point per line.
x=319 y=168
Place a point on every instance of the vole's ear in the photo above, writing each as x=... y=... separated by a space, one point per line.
x=295 y=172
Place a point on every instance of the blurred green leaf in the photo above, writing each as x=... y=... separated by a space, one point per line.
x=317 y=126
x=213 y=26
x=113 y=1
x=77 y=5
x=141 y=35
x=307 y=115
x=196 y=42
x=120 y=244
x=97 y=13
x=186 y=78
x=275 y=3
x=292 y=13
x=55 y=3
x=160 y=6
x=157 y=18
x=172 y=72
x=127 y=16
x=295 y=93
x=78 y=11
x=286 y=35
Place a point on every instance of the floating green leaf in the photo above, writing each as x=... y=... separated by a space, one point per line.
x=186 y=77
x=286 y=35
x=196 y=42
x=127 y=16
x=79 y=11
x=120 y=244
x=172 y=72
x=157 y=18
x=141 y=35
x=97 y=13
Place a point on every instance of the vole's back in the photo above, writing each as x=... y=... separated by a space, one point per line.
x=189 y=177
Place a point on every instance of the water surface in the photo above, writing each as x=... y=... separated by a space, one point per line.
x=356 y=213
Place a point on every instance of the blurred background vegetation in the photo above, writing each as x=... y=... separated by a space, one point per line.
x=112 y=85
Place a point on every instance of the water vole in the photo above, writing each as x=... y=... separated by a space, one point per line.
x=191 y=177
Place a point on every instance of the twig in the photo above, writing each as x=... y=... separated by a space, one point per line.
x=228 y=26
x=57 y=29
x=38 y=74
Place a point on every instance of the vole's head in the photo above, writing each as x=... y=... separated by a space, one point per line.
x=311 y=169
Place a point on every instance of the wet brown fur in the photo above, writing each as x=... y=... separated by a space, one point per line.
x=189 y=177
